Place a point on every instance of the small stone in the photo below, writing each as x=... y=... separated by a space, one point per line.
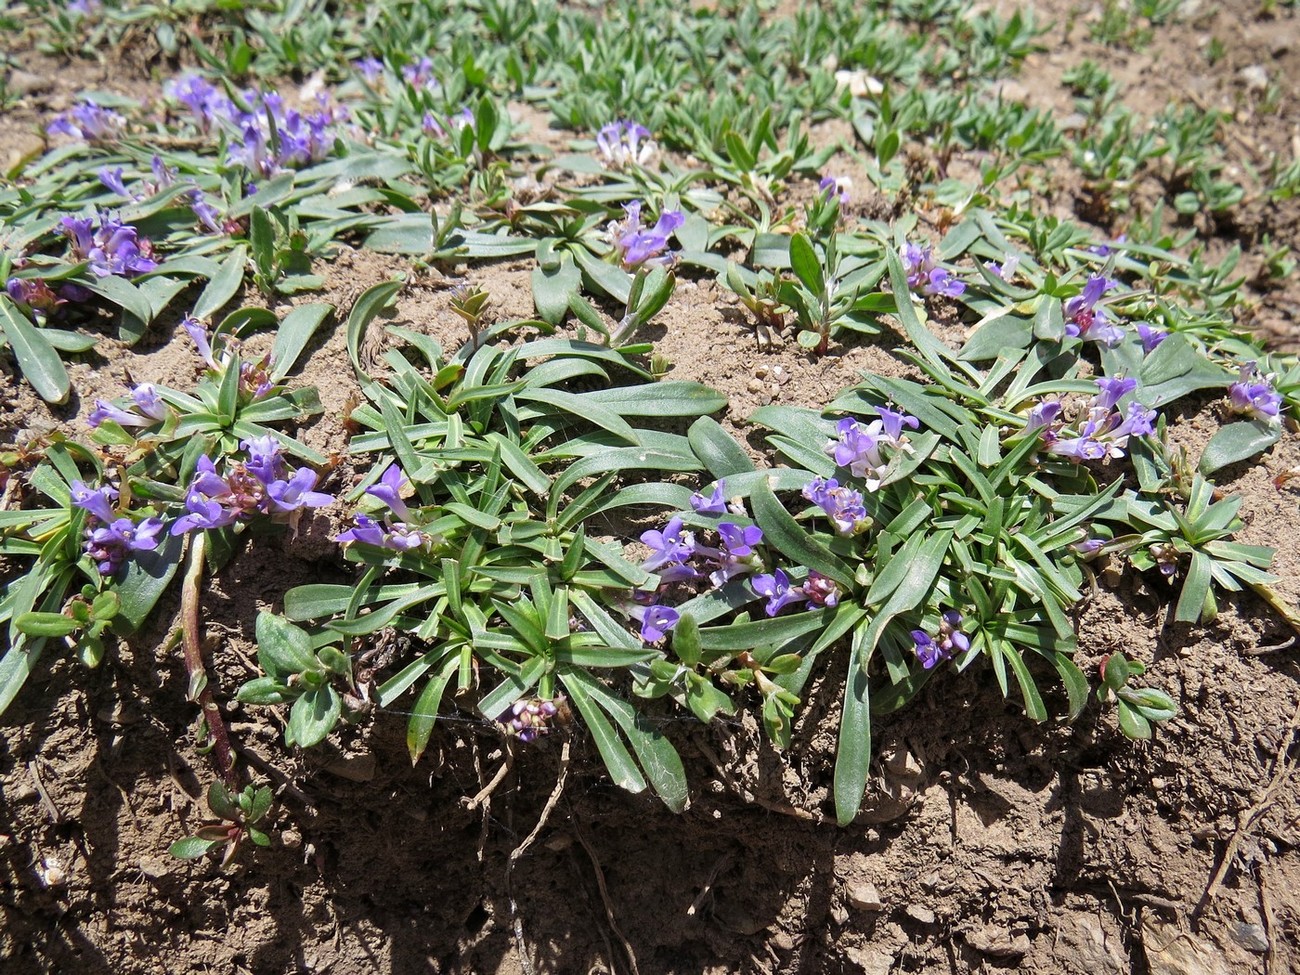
x=291 y=839
x=919 y=914
x=26 y=83
x=864 y=897
x=1254 y=76
x=754 y=386
x=1252 y=937
x=760 y=372
x=354 y=768
x=154 y=868
x=1158 y=784
x=997 y=942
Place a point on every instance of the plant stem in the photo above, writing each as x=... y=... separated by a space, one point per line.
x=191 y=639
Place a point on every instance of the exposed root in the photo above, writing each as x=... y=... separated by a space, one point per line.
x=200 y=690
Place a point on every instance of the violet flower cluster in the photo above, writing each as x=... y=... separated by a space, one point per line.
x=37 y=297
x=111 y=248
x=623 y=144
x=933 y=650
x=268 y=137
x=392 y=531
x=817 y=590
x=1086 y=319
x=1103 y=431
x=430 y=125
x=529 y=719
x=677 y=556
x=640 y=246
x=88 y=122
x=925 y=277
x=111 y=536
x=1253 y=395
x=263 y=484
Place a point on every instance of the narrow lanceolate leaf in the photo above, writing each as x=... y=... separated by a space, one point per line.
x=37 y=359
x=618 y=761
x=425 y=712
x=853 y=752
x=716 y=448
x=292 y=336
x=223 y=285
x=785 y=534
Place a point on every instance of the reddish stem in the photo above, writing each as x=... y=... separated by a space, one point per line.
x=223 y=756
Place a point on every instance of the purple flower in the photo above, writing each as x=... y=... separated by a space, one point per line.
x=104 y=410
x=1258 y=400
x=931 y=651
x=147 y=401
x=1137 y=422
x=89 y=123
x=370 y=68
x=925 y=277
x=842 y=505
x=163 y=177
x=821 y=590
x=857 y=447
x=110 y=544
x=98 y=501
x=529 y=719
x=1104 y=250
x=714 y=504
x=639 y=246
x=36 y=294
x=1088 y=547
x=198 y=333
x=1113 y=390
x=776 y=587
x=112 y=180
x=1087 y=445
x=398 y=537
x=1042 y=416
x=296 y=493
x=202 y=514
x=419 y=73
x=624 y=144
x=112 y=249
x=388 y=491
x=836 y=186
x=672 y=545
x=1085 y=320
x=1007 y=269
x=207 y=215
x=656 y=621
x=734 y=554
x=265 y=458
x=204 y=100
x=1151 y=337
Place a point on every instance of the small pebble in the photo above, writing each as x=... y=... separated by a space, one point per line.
x=1252 y=937
x=864 y=897
x=922 y=915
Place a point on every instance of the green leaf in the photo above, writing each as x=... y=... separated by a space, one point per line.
x=618 y=761
x=1133 y=723
x=37 y=359
x=853 y=752
x=720 y=454
x=294 y=333
x=553 y=289
x=146 y=578
x=221 y=802
x=223 y=285
x=191 y=848
x=1195 y=588
x=46 y=624
x=283 y=649
x=371 y=302
x=424 y=713
x=806 y=265
x=313 y=716
x=1237 y=442
x=785 y=534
